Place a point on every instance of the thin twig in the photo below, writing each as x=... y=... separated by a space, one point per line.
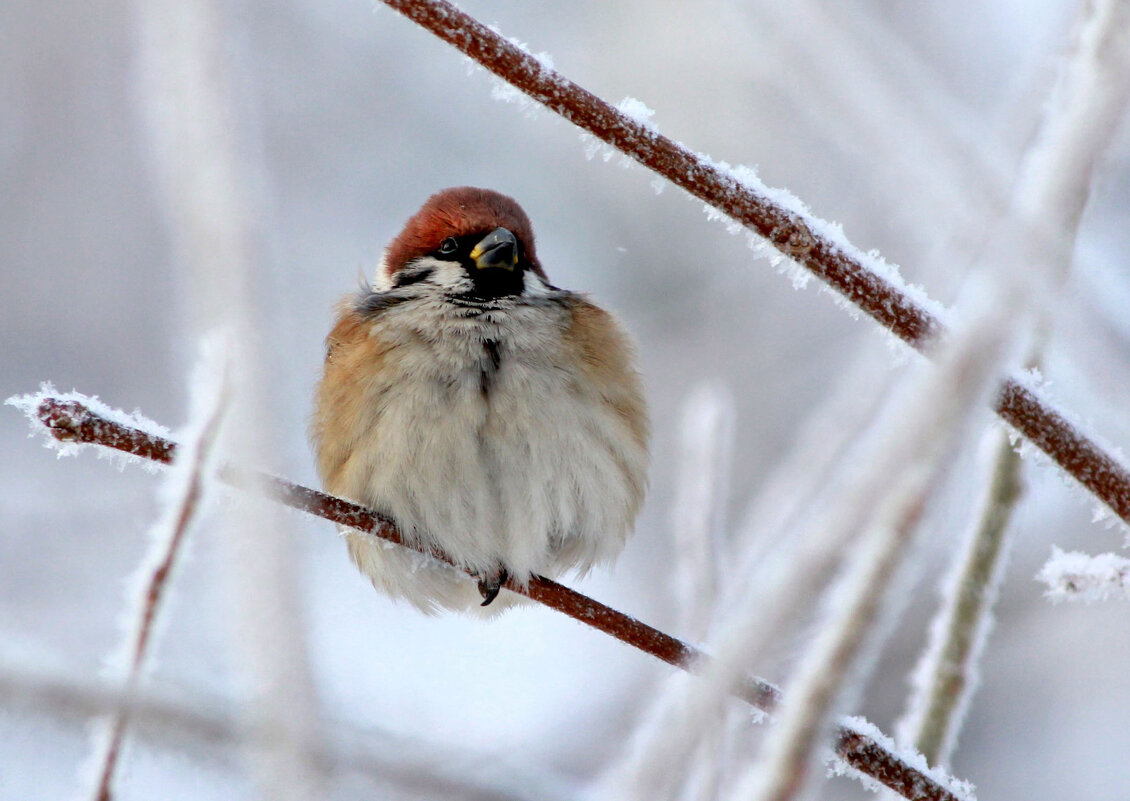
x=947 y=671
x=71 y=421
x=697 y=544
x=699 y=506
x=167 y=552
x=798 y=236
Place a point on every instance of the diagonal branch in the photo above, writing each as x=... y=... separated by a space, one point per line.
x=72 y=421
x=810 y=242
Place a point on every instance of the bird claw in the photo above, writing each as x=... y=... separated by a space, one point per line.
x=489 y=586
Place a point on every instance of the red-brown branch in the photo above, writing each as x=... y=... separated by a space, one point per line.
x=788 y=231
x=71 y=421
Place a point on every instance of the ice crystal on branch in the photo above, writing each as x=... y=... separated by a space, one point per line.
x=60 y=431
x=638 y=111
x=858 y=726
x=1076 y=576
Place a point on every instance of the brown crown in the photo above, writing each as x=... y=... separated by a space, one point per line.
x=455 y=212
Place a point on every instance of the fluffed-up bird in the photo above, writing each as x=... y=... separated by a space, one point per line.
x=492 y=415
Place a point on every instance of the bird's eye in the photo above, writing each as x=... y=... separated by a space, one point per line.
x=448 y=246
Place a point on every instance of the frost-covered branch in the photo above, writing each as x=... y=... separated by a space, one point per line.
x=914 y=447
x=876 y=488
x=784 y=222
x=946 y=676
x=1085 y=110
x=186 y=486
x=73 y=423
x=1075 y=576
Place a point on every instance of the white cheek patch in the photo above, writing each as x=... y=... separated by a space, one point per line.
x=382 y=281
x=445 y=274
x=533 y=284
x=449 y=274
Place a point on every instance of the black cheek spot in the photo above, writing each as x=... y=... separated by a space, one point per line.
x=409 y=277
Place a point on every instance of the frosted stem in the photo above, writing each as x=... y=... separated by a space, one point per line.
x=188 y=485
x=699 y=506
x=395 y=766
x=1086 y=107
x=826 y=668
x=949 y=664
x=916 y=442
x=702 y=481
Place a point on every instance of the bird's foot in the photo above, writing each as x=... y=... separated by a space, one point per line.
x=490 y=584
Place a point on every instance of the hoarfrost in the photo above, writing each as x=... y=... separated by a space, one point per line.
x=185 y=494
x=1076 y=576
x=29 y=404
x=1101 y=513
x=594 y=147
x=831 y=232
x=638 y=111
x=838 y=767
x=1034 y=378
x=507 y=92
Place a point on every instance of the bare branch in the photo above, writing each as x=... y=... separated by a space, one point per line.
x=857 y=749
x=797 y=235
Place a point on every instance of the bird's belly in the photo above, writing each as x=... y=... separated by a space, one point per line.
x=512 y=468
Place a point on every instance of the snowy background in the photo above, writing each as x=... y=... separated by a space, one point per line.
x=896 y=119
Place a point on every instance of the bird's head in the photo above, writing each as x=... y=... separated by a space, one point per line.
x=472 y=243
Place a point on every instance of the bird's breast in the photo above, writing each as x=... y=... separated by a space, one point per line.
x=480 y=436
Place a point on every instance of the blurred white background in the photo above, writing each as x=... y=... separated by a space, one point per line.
x=899 y=120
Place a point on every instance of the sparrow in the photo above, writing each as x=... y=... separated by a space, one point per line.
x=493 y=416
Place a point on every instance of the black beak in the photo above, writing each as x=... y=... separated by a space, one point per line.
x=498 y=249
